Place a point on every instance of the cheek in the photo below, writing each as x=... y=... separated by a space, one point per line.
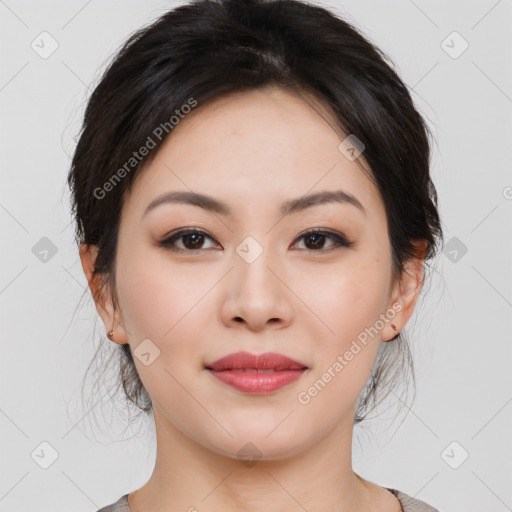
x=154 y=293
x=162 y=306
x=344 y=360
x=166 y=304
x=348 y=301
x=347 y=298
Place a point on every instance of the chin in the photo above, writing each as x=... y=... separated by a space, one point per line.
x=251 y=446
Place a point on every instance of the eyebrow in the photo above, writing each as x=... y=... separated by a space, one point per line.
x=288 y=207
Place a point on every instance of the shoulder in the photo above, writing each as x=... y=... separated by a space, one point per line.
x=410 y=504
x=121 y=505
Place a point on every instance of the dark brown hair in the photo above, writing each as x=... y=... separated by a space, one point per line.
x=206 y=49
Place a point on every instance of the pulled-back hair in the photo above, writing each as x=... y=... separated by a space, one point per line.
x=206 y=49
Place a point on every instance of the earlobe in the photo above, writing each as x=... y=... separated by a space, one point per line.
x=101 y=296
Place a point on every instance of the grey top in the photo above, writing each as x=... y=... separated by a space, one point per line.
x=408 y=504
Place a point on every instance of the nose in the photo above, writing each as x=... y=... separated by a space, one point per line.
x=256 y=296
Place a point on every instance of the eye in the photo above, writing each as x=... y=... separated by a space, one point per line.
x=192 y=239
x=316 y=238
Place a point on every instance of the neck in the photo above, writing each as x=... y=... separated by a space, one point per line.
x=189 y=476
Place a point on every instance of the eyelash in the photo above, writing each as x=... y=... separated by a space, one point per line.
x=341 y=241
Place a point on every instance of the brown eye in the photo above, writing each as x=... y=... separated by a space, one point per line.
x=315 y=240
x=191 y=240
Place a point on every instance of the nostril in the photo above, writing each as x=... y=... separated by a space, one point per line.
x=238 y=319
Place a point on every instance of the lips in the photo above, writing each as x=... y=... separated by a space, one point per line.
x=256 y=374
x=262 y=363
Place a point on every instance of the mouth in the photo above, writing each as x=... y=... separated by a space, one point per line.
x=256 y=374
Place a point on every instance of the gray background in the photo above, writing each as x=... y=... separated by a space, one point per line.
x=461 y=330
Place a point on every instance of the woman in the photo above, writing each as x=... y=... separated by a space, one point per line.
x=254 y=211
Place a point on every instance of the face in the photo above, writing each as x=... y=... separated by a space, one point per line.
x=198 y=284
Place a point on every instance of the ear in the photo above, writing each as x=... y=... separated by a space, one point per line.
x=101 y=295
x=406 y=291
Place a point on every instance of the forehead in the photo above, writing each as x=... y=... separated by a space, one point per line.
x=253 y=148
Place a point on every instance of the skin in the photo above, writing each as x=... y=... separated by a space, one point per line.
x=253 y=151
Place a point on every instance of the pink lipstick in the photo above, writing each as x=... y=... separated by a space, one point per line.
x=256 y=374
